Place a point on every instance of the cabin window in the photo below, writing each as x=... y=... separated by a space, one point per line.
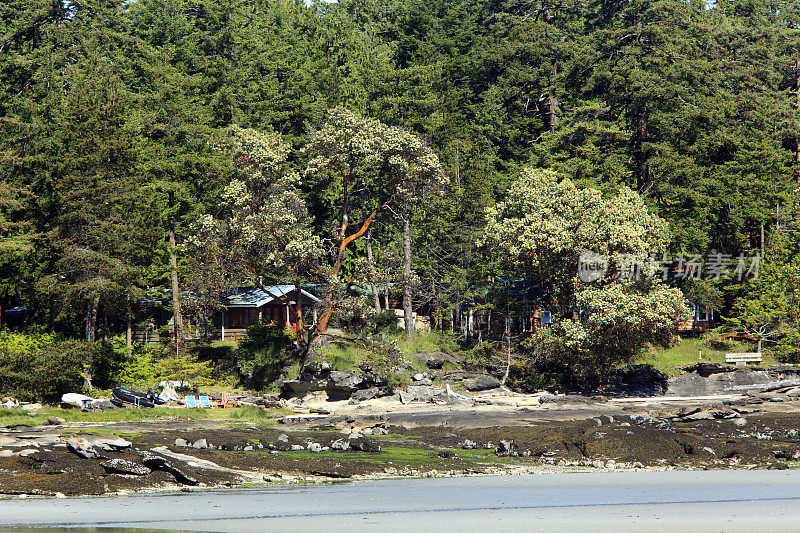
x=547 y=318
x=704 y=314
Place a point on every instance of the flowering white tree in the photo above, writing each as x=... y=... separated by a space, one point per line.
x=266 y=231
x=544 y=226
x=369 y=168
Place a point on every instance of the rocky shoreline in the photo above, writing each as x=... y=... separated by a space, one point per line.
x=560 y=434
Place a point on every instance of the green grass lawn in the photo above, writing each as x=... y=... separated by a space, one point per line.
x=687 y=353
x=240 y=414
x=345 y=356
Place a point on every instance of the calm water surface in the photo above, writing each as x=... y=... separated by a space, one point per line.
x=751 y=501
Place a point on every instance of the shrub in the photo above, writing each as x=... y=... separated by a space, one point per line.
x=262 y=354
x=17 y=343
x=385 y=322
x=788 y=350
x=46 y=372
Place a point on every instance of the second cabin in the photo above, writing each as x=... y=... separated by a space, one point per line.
x=271 y=305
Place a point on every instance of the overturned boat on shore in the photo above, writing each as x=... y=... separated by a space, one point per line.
x=137 y=399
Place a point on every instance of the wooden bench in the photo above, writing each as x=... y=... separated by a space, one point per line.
x=743 y=358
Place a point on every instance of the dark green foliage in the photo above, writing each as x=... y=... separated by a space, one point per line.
x=108 y=108
x=262 y=355
x=385 y=322
x=259 y=358
x=44 y=373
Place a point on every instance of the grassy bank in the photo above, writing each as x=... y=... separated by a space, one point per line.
x=239 y=414
x=345 y=356
x=692 y=350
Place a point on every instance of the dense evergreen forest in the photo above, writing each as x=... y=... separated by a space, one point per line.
x=116 y=120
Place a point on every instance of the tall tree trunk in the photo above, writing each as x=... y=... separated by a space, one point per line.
x=128 y=323
x=91 y=317
x=508 y=352
x=91 y=324
x=173 y=261
x=641 y=170
x=371 y=265
x=299 y=317
x=407 y=308
x=797 y=110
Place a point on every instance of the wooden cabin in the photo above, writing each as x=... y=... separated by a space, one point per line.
x=702 y=319
x=271 y=305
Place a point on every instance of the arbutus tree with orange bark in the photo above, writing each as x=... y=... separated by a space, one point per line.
x=366 y=168
x=263 y=235
x=266 y=233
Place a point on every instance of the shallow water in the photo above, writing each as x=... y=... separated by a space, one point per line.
x=615 y=501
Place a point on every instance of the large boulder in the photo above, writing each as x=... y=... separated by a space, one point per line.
x=435 y=360
x=705 y=368
x=422 y=393
x=361 y=443
x=343 y=383
x=313 y=377
x=372 y=392
x=481 y=383
x=155 y=462
x=720 y=383
x=121 y=466
x=83 y=448
x=639 y=380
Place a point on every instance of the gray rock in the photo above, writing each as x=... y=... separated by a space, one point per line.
x=406 y=397
x=54 y=421
x=107 y=442
x=82 y=447
x=638 y=380
x=481 y=383
x=706 y=369
x=696 y=385
x=283 y=438
x=340 y=445
x=200 y=444
x=121 y=466
x=181 y=442
x=423 y=393
x=379 y=431
x=507 y=448
x=448 y=454
x=155 y=462
x=314 y=447
x=469 y=444
x=364 y=395
x=363 y=444
x=424 y=381
x=419 y=376
x=297 y=448
x=342 y=383
x=298 y=386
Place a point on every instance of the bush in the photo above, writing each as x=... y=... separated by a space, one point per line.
x=788 y=350
x=46 y=372
x=262 y=354
x=385 y=322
